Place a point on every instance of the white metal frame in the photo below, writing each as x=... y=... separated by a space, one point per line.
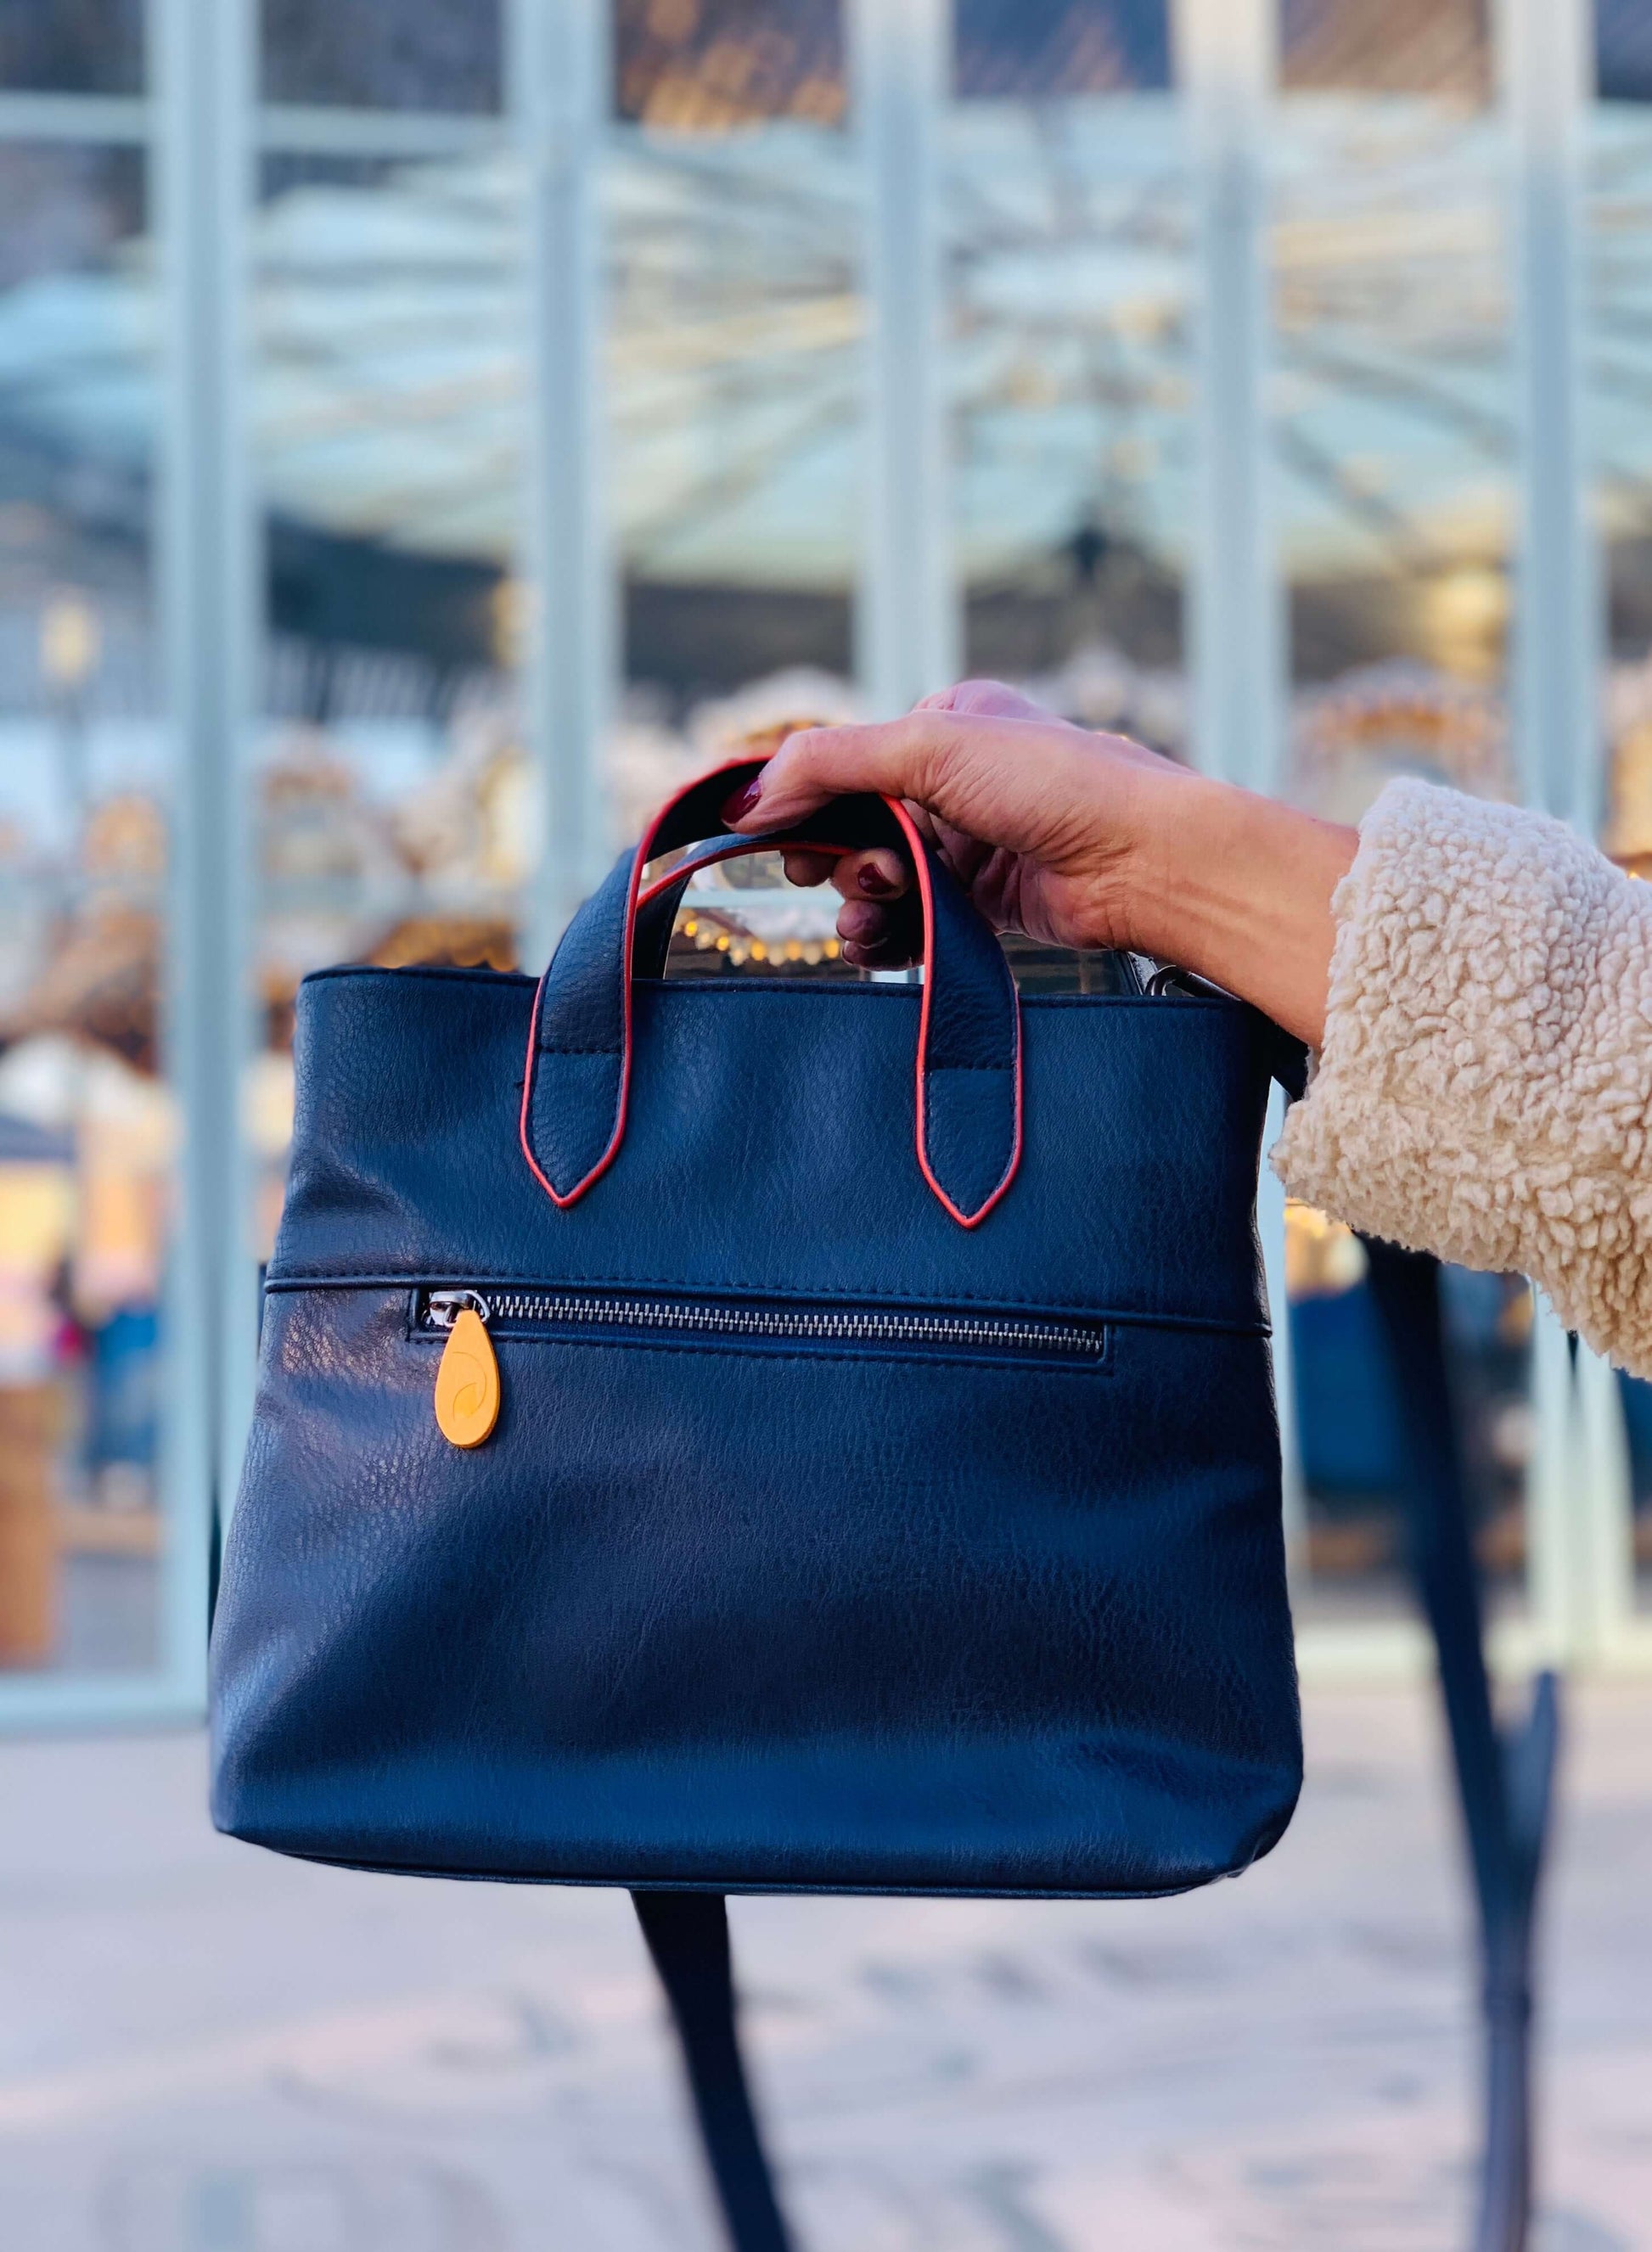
x=210 y=592
x=557 y=94
x=1226 y=58
x=203 y=127
x=1226 y=53
x=908 y=623
x=1578 y=1501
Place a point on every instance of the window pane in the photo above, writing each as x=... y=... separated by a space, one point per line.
x=383 y=55
x=1393 y=438
x=393 y=809
x=1024 y=49
x=1069 y=258
x=72 y=47
x=1433 y=47
x=700 y=66
x=86 y=1123
x=1623 y=50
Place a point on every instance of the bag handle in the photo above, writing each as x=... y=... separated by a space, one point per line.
x=579 y=1042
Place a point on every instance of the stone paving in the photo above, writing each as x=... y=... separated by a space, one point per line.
x=206 y=2049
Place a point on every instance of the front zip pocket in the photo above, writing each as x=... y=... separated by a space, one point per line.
x=589 y=1317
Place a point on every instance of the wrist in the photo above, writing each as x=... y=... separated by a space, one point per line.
x=1237 y=887
x=1172 y=819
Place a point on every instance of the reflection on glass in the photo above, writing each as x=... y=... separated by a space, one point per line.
x=733 y=329
x=701 y=66
x=383 y=54
x=86 y=1125
x=734 y=323
x=1434 y=47
x=1037 y=50
x=1068 y=221
x=1393 y=436
x=72 y=47
x=1618 y=360
x=393 y=814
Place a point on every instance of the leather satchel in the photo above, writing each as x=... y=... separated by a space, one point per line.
x=747 y=1435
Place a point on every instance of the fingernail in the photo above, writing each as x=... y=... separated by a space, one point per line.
x=874 y=883
x=744 y=801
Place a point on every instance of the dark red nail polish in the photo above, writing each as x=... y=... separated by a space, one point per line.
x=744 y=801
x=875 y=884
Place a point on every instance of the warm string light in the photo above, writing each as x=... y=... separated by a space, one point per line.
x=741 y=949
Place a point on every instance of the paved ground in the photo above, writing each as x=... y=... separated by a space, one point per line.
x=206 y=2049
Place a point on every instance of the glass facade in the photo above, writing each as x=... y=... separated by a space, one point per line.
x=576 y=388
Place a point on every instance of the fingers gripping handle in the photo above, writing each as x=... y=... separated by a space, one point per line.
x=580 y=1041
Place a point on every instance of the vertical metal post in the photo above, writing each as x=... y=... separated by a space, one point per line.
x=1554 y=1578
x=1605 y=1523
x=1579 y=1498
x=203 y=72
x=557 y=84
x=1225 y=64
x=1558 y=617
x=908 y=637
x=1270 y=1227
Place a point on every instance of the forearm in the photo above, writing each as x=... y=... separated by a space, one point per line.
x=1237 y=888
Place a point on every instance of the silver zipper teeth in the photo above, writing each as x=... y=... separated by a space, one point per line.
x=827 y=1326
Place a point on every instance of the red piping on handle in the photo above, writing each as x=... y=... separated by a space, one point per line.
x=637 y=898
x=560 y=1202
x=626 y=949
x=921 y=864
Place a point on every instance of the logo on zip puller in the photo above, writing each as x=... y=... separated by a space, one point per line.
x=467 y=1381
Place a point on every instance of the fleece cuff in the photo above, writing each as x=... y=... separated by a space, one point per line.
x=1485 y=1087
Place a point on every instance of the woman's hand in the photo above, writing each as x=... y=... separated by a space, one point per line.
x=1075 y=839
x=1031 y=814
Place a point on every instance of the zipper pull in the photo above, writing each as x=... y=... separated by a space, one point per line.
x=468 y=1381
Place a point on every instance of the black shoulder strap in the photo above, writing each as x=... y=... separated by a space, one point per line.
x=1505 y=1780
x=687 y=1935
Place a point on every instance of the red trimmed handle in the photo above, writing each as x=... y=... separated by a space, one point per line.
x=579 y=1055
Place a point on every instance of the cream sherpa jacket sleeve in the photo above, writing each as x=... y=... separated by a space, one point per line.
x=1485 y=1088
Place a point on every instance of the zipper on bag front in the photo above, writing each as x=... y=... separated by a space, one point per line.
x=469 y=1319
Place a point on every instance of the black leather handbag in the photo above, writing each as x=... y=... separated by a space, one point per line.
x=726 y=1436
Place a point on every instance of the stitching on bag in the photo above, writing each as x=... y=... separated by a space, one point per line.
x=430 y=973
x=801 y=989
